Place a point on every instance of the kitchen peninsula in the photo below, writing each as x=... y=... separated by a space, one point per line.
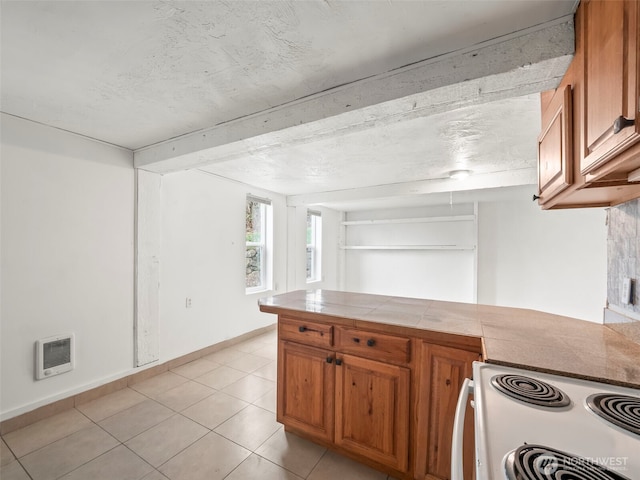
x=377 y=377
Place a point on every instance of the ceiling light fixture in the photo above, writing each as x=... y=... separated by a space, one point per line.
x=459 y=174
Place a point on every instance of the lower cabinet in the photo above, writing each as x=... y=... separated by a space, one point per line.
x=306 y=389
x=358 y=404
x=372 y=410
x=390 y=401
x=443 y=370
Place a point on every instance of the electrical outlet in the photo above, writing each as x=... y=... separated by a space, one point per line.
x=187 y=302
x=626 y=291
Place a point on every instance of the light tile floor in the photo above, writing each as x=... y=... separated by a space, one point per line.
x=213 y=418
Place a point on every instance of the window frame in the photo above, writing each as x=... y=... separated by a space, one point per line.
x=314 y=223
x=265 y=245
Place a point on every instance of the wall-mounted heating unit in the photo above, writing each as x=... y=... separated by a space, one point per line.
x=54 y=355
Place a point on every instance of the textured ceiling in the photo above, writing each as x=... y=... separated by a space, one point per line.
x=485 y=139
x=134 y=73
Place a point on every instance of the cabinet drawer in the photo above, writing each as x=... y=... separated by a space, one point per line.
x=377 y=346
x=308 y=333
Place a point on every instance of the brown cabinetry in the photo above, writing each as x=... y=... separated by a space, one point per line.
x=387 y=400
x=358 y=404
x=387 y=348
x=308 y=333
x=306 y=389
x=372 y=410
x=590 y=137
x=555 y=145
x=443 y=371
x=611 y=80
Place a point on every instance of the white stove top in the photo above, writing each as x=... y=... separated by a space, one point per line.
x=504 y=424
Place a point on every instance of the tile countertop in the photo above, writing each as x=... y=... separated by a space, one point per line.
x=510 y=336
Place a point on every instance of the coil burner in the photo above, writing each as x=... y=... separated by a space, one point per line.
x=536 y=462
x=530 y=390
x=621 y=410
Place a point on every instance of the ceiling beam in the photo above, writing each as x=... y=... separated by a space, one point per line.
x=524 y=62
x=523 y=176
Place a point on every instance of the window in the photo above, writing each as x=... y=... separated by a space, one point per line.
x=314 y=246
x=258 y=244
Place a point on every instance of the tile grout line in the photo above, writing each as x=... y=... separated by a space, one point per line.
x=120 y=443
x=52 y=442
x=272 y=462
x=123 y=443
x=16 y=459
x=182 y=450
x=326 y=450
x=210 y=430
x=67 y=436
x=146 y=474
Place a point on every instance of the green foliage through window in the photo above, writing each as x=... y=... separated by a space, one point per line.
x=256 y=240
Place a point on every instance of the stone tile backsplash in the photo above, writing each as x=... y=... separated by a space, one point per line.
x=623 y=260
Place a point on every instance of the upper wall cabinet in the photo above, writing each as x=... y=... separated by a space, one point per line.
x=590 y=138
x=611 y=81
x=555 y=145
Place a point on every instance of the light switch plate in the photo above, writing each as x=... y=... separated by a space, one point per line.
x=626 y=291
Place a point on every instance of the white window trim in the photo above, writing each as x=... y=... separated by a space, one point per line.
x=266 y=276
x=316 y=245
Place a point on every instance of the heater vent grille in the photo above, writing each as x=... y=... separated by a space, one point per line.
x=54 y=355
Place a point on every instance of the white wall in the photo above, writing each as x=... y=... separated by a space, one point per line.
x=553 y=261
x=202 y=257
x=434 y=274
x=67 y=259
x=67 y=249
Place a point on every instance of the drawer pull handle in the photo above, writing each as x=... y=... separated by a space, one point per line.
x=338 y=361
x=329 y=359
x=307 y=329
x=356 y=339
x=371 y=342
x=621 y=123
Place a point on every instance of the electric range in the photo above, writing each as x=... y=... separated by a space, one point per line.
x=537 y=426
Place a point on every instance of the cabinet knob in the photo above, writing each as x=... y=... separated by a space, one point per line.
x=329 y=359
x=621 y=123
x=302 y=329
x=536 y=197
x=338 y=361
x=371 y=342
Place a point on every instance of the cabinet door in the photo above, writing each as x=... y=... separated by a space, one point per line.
x=611 y=79
x=555 y=146
x=443 y=372
x=306 y=389
x=372 y=410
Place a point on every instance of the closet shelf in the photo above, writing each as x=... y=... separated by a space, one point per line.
x=408 y=247
x=451 y=218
